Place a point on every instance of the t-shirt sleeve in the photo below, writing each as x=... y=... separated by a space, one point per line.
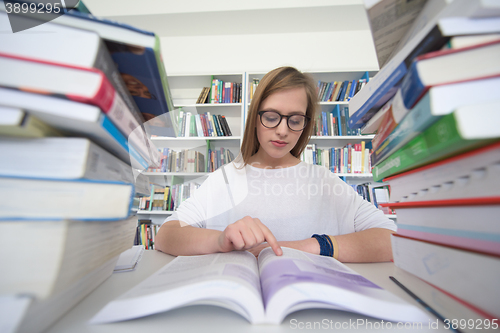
x=206 y=204
x=192 y=211
x=367 y=216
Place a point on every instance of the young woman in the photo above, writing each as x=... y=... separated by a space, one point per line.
x=268 y=197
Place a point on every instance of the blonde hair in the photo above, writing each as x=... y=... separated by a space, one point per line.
x=279 y=79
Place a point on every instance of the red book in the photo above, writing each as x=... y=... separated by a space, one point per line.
x=84 y=85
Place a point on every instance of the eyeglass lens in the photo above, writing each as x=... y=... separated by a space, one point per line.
x=272 y=119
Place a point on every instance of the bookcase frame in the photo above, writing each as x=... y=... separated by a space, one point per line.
x=185 y=91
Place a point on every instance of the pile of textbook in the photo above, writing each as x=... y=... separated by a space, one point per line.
x=72 y=142
x=435 y=108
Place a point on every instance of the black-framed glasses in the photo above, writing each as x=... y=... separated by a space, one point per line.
x=295 y=122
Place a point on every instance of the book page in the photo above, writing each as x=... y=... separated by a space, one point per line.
x=226 y=279
x=299 y=280
x=186 y=270
x=389 y=21
x=297 y=266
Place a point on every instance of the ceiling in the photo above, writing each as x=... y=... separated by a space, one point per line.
x=229 y=17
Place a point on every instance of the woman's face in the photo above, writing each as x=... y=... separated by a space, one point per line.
x=276 y=143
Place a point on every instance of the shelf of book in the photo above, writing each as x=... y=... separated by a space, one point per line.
x=187 y=93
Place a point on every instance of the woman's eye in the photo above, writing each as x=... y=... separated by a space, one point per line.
x=271 y=118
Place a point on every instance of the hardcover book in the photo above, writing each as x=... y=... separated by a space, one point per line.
x=448 y=222
x=469 y=276
x=439 y=100
x=469 y=175
x=64 y=158
x=83 y=120
x=60 y=198
x=84 y=85
x=435 y=32
x=137 y=53
x=58 y=253
x=467 y=128
x=66 y=45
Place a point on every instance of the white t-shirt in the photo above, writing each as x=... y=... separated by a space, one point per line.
x=294 y=202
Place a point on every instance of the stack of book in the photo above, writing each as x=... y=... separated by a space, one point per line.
x=72 y=143
x=437 y=145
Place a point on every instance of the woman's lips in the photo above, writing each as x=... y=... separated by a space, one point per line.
x=279 y=143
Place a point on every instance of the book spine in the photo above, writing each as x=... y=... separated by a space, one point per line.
x=224 y=120
x=417 y=120
x=104 y=62
x=199 y=128
x=221 y=124
x=412 y=88
x=131 y=156
x=382 y=87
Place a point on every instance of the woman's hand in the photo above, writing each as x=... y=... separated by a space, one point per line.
x=246 y=234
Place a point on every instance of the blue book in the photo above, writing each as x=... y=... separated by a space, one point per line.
x=76 y=119
x=336 y=114
x=475 y=62
x=138 y=57
x=324 y=124
x=354 y=83
x=437 y=102
x=343 y=90
x=435 y=33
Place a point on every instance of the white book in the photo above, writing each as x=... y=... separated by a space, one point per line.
x=76 y=119
x=57 y=253
x=473 y=174
x=470 y=276
x=43 y=313
x=61 y=198
x=187 y=124
x=63 y=158
x=66 y=45
x=262 y=291
x=199 y=128
x=79 y=84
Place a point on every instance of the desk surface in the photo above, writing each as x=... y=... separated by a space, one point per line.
x=208 y=319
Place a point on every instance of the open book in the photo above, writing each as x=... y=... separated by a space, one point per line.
x=263 y=291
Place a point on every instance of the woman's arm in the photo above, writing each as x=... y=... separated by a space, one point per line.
x=176 y=239
x=371 y=245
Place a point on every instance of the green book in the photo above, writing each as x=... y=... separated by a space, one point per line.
x=462 y=130
x=192 y=126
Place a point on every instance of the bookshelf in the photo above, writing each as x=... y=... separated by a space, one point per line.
x=186 y=89
x=324 y=142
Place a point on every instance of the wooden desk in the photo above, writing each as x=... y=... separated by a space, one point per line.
x=208 y=319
